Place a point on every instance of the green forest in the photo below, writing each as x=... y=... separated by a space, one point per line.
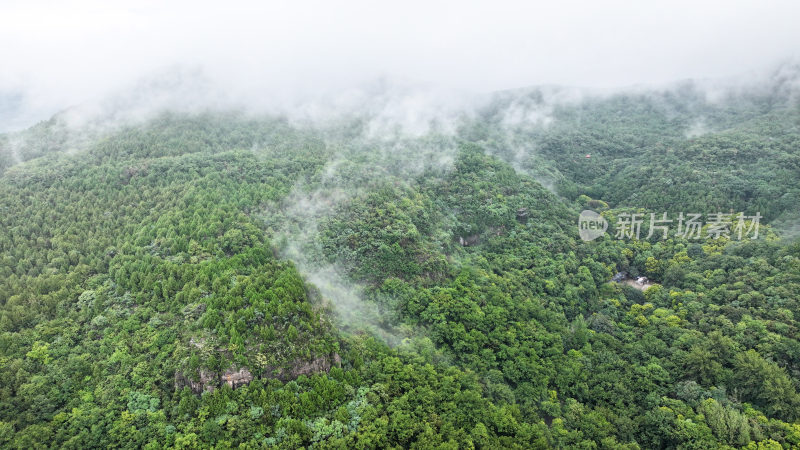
x=220 y=279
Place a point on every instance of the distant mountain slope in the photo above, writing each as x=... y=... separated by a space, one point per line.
x=684 y=148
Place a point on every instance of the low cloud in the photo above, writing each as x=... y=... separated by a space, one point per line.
x=59 y=55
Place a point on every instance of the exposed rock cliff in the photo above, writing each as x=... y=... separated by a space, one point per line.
x=208 y=380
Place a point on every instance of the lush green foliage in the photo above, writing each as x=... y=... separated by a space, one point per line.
x=154 y=253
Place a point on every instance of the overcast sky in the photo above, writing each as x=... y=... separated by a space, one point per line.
x=60 y=53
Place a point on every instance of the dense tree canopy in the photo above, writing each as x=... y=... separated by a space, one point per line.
x=157 y=281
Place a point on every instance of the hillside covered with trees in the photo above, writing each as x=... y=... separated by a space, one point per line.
x=231 y=280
